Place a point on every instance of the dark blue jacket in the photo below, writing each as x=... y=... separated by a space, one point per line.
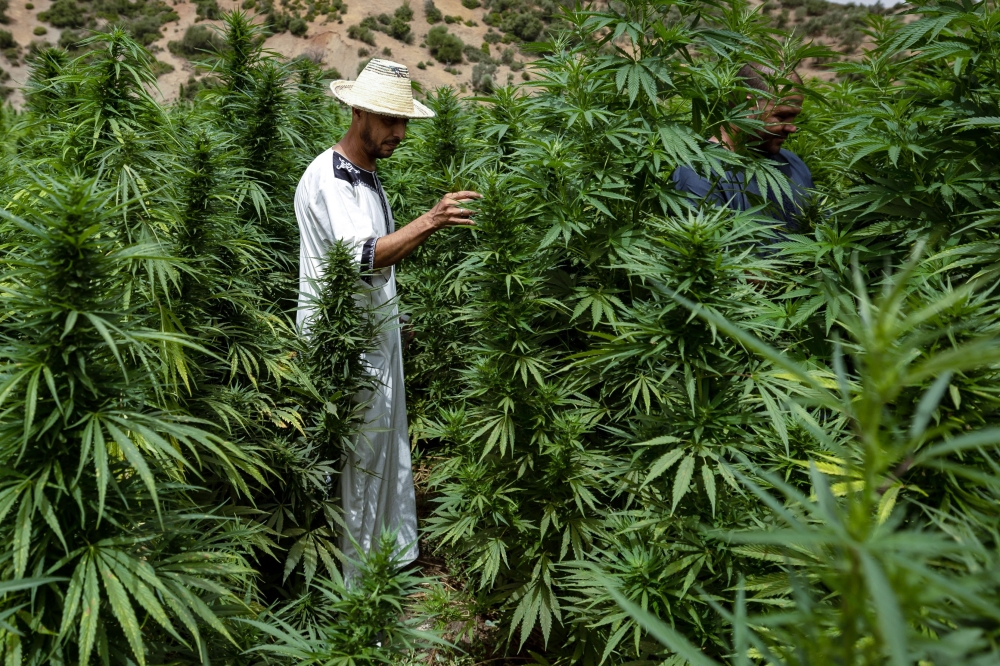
x=728 y=189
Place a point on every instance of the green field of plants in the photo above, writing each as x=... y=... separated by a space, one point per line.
x=646 y=430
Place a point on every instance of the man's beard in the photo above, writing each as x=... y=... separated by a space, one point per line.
x=375 y=150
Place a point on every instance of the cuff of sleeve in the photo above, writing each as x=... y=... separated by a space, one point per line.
x=368 y=259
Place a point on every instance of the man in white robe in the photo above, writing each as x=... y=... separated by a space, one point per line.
x=340 y=197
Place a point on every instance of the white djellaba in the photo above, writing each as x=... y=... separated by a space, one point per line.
x=337 y=200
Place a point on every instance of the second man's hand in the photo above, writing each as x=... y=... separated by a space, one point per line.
x=391 y=249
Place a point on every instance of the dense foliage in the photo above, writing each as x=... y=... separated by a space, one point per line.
x=168 y=441
x=643 y=418
x=792 y=433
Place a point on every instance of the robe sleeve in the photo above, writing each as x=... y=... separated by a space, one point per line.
x=339 y=217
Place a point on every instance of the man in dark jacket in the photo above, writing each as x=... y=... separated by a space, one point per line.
x=778 y=113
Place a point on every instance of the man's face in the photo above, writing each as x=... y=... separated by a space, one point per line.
x=779 y=122
x=380 y=134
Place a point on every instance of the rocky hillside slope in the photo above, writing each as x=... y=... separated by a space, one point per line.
x=469 y=44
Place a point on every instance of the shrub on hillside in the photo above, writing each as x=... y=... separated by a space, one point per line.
x=525 y=26
x=816 y=7
x=505 y=5
x=277 y=22
x=396 y=26
x=208 y=9
x=851 y=39
x=159 y=68
x=444 y=46
x=4 y=6
x=199 y=41
x=814 y=27
x=144 y=29
x=404 y=12
x=189 y=91
x=399 y=29
x=298 y=27
x=432 y=13
x=361 y=33
x=483 y=77
x=471 y=4
x=119 y=9
x=472 y=54
x=551 y=9
x=6 y=39
x=64 y=14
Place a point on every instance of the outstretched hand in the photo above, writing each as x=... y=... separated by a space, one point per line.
x=446 y=213
x=449 y=213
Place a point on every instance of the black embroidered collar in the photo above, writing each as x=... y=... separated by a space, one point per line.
x=345 y=169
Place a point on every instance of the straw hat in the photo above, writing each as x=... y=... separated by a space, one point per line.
x=383 y=88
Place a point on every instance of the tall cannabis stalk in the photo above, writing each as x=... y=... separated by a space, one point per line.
x=876 y=576
x=97 y=475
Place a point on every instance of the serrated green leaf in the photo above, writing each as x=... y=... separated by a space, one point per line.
x=89 y=612
x=682 y=482
x=121 y=606
x=662 y=464
x=22 y=536
x=709 y=478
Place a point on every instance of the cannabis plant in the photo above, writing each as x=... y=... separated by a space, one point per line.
x=617 y=439
x=98 y=469
x=357 y=623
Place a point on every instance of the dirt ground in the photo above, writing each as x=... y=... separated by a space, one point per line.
x=22 y=24
x=327 y=41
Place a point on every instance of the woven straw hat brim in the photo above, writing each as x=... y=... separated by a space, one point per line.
x=343 y=90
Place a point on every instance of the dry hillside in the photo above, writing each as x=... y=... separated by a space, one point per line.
x=328 y=41
x=326 y=36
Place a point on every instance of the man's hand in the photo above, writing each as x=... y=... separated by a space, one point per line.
x=449 y=213
x=391 y=249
